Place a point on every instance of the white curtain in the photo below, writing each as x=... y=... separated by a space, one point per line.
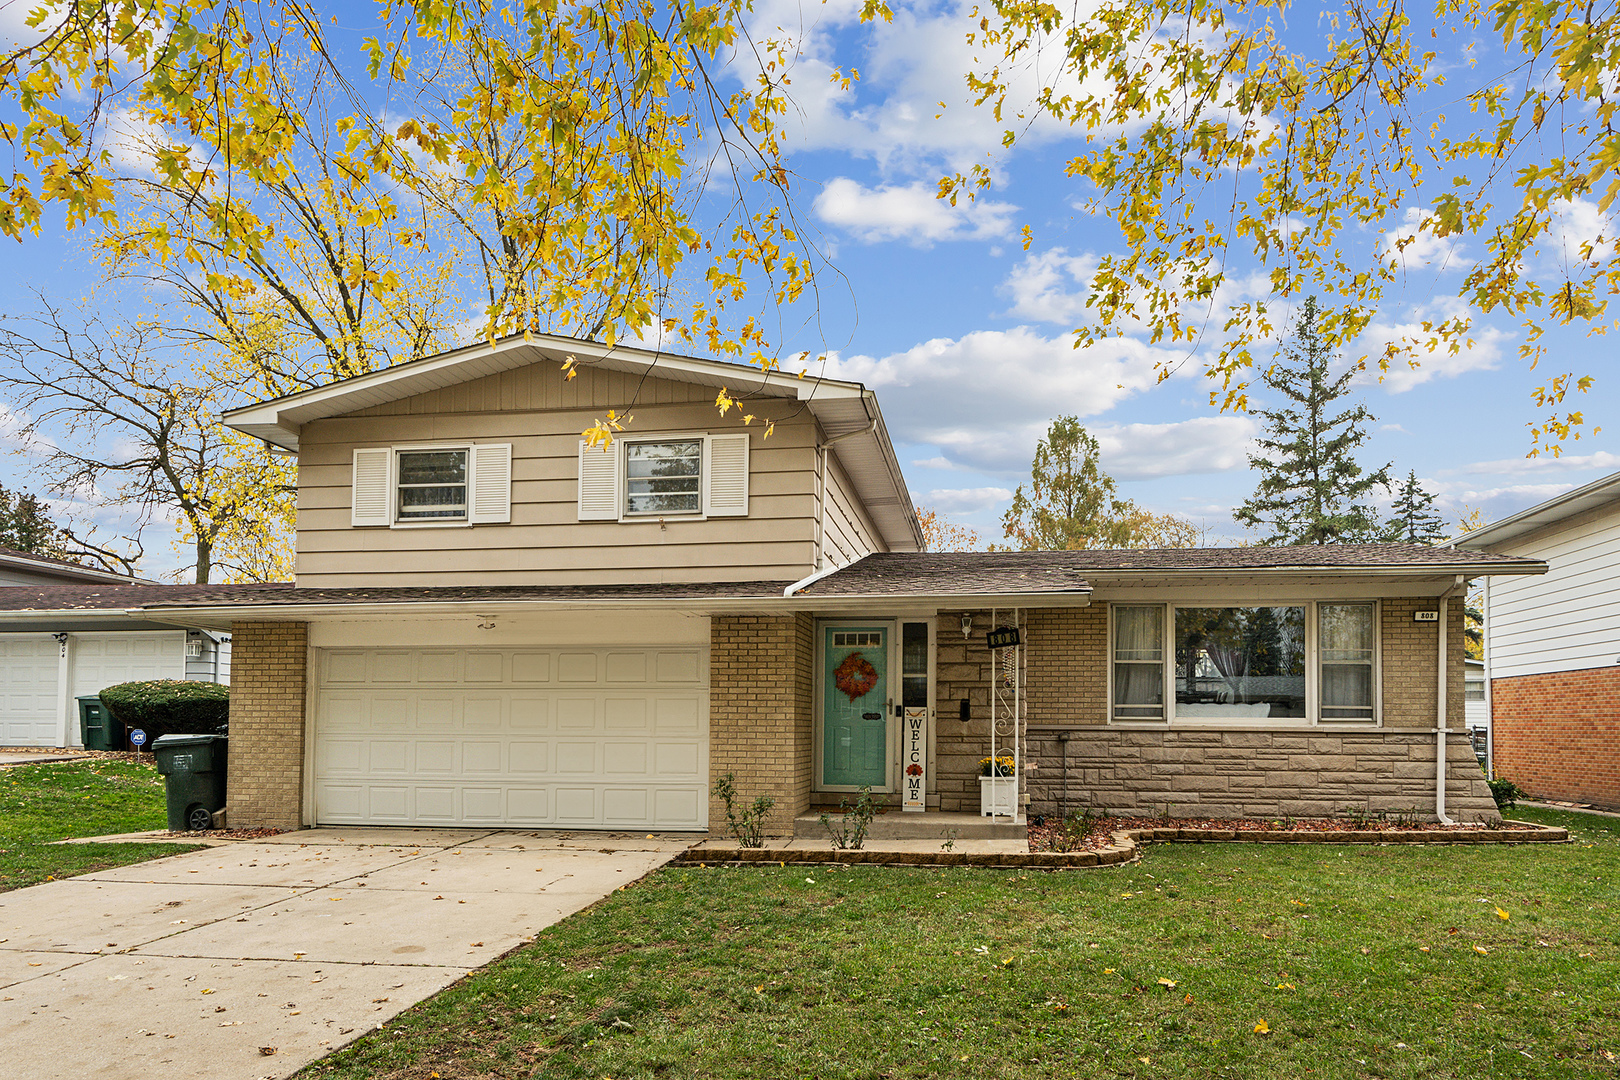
x=1139 y=662
x=1346 y=647
x=1139 y=633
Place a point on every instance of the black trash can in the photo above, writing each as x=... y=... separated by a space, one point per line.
x=193 y=767
x=98 y=729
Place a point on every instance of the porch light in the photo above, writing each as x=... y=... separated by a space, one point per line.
x=967 y=625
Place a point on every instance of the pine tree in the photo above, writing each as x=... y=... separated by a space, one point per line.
x=26 y=526
x=1414 y=520
x=1311 y=488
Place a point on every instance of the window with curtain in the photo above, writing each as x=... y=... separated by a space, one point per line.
x=1139 y=663
x=1345 y=637
x=1237 y=663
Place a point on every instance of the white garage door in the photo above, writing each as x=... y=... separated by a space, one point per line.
x=103 y=660
x=558 y=737
x=28 y=673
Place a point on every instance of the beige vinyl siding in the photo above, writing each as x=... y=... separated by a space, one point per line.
x=1566 y=619
x=546 y=543
x=848 y=533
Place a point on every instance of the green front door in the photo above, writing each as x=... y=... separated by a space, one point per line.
x=854 y=706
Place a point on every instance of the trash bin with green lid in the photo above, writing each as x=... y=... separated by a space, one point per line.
x=193 y=768
x=98 y=728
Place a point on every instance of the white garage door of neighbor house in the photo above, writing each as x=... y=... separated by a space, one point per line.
x=30 y=665
x=28 y=673
x=543 y=737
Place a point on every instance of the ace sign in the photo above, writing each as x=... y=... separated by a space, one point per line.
x=914 y=760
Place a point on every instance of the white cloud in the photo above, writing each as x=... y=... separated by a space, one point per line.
x=1546 y=463
x=985 y=399
x=1414 y=246
x=1482 y=353
x=1206 y=444
x=965 y=500
x=1051 y=286
x=1582 y=232
x=912 y=212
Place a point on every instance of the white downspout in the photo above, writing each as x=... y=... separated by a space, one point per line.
x=1490 y=700
x=1441 y=711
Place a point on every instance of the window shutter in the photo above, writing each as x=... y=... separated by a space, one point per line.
x=726 y=474
x=598 y=482
x=490 y=489
x=372 y=476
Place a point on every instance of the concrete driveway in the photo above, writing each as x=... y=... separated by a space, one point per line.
x=187 y=966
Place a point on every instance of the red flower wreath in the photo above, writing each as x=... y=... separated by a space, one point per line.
x=855 y=676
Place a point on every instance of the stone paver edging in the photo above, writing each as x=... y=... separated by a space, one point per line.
x=1126 y=847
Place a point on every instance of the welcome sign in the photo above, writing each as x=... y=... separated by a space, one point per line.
x=914 y=760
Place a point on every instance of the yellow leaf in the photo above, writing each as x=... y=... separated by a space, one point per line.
x=1480 y=949
x=1504 y=916
x=1108 y=971
x=1167 y=982
x=1262 y=1028
x=1286 y=986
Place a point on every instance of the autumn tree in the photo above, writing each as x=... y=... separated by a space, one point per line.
x=117 y=419
x=1230 y=140
x=1071 y=503
x=1311 y=489
x=1413 y=519
x=941 y=534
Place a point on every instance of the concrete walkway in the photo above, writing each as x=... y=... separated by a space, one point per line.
x=193 y=966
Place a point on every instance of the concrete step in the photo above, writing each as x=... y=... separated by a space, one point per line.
x=933 y=825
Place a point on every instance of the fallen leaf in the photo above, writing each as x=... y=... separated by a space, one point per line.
x=1167 y=982
x=1187 y=1000
x=1286 y=986
x=1262 y=1028
x=1423 y=948
x=1480 y=949
x=1144 y=1061
x=1504 y=916
x=267 y=1050
x=1108 y=971
x=207 y=990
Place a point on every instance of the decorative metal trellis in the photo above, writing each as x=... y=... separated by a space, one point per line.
x=1007 y=670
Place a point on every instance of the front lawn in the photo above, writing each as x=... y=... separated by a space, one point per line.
x=1203 y=960
x=41 y=803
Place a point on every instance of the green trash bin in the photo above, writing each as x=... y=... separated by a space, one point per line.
x=193 y=768
x=98 y=729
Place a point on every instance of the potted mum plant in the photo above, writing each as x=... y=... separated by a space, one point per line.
x=998 y=786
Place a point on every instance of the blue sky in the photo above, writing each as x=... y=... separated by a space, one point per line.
x=965 y=335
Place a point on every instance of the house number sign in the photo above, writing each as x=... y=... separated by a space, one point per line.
x=1004 y=637
x=914 y=760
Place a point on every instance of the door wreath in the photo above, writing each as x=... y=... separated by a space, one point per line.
x=855 y=676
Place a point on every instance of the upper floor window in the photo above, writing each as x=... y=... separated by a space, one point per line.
x=432 y=485
x=664 y=477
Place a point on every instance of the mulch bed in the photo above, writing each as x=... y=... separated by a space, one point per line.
x=1051 y=836
x=227 y=834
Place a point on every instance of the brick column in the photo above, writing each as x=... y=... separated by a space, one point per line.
x=265 y=786
x=761 y=675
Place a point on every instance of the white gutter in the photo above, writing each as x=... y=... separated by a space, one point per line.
x=1441 y=711
x=805 y=582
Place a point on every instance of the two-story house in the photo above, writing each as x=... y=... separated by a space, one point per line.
x=497 y=623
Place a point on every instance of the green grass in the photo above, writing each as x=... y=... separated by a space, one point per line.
x=41 y=803
x=870 y=972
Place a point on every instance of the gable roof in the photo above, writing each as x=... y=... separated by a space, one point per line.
x=847 y=411
x=1556 y=509
x=60 y=569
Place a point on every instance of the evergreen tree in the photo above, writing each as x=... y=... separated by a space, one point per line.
x=1414 y=520
x=1311 y=488
x=26 y=526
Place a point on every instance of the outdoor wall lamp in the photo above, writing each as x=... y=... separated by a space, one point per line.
x=967 y=625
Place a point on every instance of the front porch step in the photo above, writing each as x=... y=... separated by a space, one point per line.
x=894 y=824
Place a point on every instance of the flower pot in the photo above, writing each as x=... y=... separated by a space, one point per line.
x=998 y=796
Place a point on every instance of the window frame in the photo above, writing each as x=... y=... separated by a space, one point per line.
x=394 y=501
x=1313 y=664
x=623 y=465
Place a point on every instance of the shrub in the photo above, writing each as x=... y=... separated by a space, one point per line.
x=1506 y=793
x=747 y=823
x=169 y=706
x=850 y=832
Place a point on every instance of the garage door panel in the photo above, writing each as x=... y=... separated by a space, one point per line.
x=570 y=736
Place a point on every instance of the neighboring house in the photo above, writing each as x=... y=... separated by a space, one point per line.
x=497 y=624
x=48 y=659
x=1476 y=710
x=1552 y=646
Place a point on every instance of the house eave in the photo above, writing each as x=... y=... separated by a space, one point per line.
x=1560 y=508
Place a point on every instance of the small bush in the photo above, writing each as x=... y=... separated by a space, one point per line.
x=169 y=706
x=1506 y=793
x=747 y=823
x=850 y=832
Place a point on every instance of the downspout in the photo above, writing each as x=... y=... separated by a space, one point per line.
x=1440 y=708
x=1490 y=698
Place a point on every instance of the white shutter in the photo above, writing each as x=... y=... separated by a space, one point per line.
x=372 y=477
x=725 y=471
x=598 y=482
x=489 y=486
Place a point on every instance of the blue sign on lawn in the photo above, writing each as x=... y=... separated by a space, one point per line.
x=138 y=737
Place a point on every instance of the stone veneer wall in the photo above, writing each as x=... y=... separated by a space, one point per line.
x=761 y=713
x=1271 y=773
x=1267 y=774
x=265 y=781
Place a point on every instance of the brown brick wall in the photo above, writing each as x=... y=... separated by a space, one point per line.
x=761 y=675
x=1409 y=662
x=1558 y=735
x=265 y=784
